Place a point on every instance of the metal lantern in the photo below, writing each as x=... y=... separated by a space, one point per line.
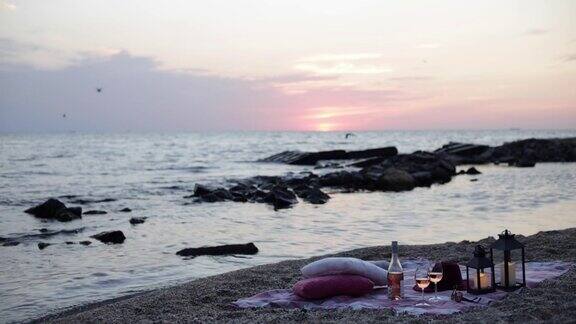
x=482 y=273
x=507 y=274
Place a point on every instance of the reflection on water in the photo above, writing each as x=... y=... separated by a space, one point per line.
x=151 y=173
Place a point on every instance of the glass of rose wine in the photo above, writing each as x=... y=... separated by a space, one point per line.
x=422 y=278
x=435 y=275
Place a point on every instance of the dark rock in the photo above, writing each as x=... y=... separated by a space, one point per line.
x=368 y=162
x=537 y=150
x=43 y=230
x=303 y=158
x=396 y=180
x=55 y=209
x=68 y=214
x=473 y=180
x=43 y=245
x=525 y=163
x=218 y=195
x=383 y=152
x=423 y=178
x=301 y=190
x=95 y=212
x=223 y=194
x=257 y=196
x=242 y=192
x=461 y=149
x=461 y=172
x=344 y=179
x=307 y=158
x=48 y=209
x=441 y=170
x=210 y=198
x=85 y=243
x=69 y=242
x=459 y=153
x=205 y=194
x=265 y=182
x=280 y=197
x=242 y=189
x=299 y=181
x=315 y=196
x=137 y=220
x=473 y=171
x=115 y=237
x=11 y=243
x=239 y=198
x=125 y=210
x=201 y=190
x=249 y=248
x=76 y=211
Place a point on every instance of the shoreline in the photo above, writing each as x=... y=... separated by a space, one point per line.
x=209 y=299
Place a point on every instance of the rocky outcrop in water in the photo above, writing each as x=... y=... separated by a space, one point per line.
x=249 y=249
x=523 y=153
x=473 y=171
x=44 y=233
x=280 y=197
x=113 y=237
x=55 y=209
x=279 y=192
x=311 y=158
x=381 y=169
x=95 y=212
x=137 y=220
x=537 y=150
x=461 y=153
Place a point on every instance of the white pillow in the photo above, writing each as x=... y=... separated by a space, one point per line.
x=331 y=266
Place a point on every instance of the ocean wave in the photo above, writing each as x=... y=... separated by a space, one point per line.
x=192 y=169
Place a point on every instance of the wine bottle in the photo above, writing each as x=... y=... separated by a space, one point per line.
x=395 y=275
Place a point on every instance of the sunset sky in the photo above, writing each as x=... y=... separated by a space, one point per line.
x=286 y=65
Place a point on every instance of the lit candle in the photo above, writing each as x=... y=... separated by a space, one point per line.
x=484 y=281
x=511 y=274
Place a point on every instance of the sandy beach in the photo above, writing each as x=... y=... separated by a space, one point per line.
x=209 y=299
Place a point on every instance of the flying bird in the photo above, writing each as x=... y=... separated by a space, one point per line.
x=63 y=115
x=99 y=89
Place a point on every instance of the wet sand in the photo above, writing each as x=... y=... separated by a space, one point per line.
x=209 y=299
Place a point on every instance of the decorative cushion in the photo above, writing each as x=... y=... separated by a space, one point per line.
x=329 y=286
x=352 y=266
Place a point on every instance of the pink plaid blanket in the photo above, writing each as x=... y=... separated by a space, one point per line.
x=378 y=299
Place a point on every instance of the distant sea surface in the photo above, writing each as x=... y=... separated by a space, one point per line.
x=150 y=173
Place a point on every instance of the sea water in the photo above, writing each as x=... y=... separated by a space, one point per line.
x=151 y=173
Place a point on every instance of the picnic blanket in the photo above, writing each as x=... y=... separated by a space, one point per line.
x=378 y=298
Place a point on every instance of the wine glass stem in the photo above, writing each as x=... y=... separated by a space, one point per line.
x=422 y=294
x=435 y=290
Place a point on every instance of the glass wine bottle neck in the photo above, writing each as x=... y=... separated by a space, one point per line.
x=395 y=265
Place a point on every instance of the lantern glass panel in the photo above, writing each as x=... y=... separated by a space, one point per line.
x=485 y=279
x=514 y=267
